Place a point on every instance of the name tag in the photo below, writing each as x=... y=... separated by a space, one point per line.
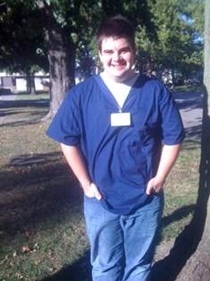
x=121 y=119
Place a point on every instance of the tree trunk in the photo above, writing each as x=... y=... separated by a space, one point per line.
x=30 y=83
x=197 y=267
x=62 y=67
x=61 y=56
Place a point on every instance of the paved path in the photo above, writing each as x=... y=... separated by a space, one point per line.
x=7 y=97
x=191 y=109
x=190 y=105
x=2 y=99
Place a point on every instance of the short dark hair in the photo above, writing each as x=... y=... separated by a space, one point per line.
x=117 y=27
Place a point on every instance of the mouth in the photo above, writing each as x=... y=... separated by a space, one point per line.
x=119 y=65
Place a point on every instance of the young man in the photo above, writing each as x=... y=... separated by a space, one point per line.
x=121 y=135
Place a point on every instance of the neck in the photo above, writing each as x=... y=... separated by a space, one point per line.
x=124 y=80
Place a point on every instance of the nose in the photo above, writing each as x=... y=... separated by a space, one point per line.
x=116 y=55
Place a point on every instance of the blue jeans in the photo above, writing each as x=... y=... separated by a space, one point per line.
x=122 y=247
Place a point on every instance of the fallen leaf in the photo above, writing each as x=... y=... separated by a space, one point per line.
x=26 y=249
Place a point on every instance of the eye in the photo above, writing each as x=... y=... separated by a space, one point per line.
x=125 y=50
x=108 y=52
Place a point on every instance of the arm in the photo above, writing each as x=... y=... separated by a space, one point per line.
x=167 y=160
x=76 y=162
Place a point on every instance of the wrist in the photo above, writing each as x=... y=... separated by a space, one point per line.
x=85 y=184
x=160 y=178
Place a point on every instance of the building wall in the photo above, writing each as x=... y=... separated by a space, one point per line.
x=17 y=83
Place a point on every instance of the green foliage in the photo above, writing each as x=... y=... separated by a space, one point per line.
x=169 y=33
x=21 y=38
x=178 y=44
x=194 y=10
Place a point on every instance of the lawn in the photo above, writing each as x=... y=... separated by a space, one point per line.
x=42 y=231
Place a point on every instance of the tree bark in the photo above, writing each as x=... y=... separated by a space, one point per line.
x=62 y=64
x=197 y=267
x=61 y=56
x=30 y=83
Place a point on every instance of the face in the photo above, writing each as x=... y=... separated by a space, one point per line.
x=117 y=57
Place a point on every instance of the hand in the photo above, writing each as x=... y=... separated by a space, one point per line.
x=154 y=185
x=92 y=191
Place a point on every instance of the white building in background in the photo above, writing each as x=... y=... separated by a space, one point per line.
x=16 y=82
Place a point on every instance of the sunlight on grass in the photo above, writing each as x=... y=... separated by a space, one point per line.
x=181 y=189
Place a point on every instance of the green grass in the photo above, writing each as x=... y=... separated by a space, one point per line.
x=188 y=88
x=42 y=231
x=181 y=190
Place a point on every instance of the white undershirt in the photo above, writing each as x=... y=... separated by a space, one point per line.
x=120 y=91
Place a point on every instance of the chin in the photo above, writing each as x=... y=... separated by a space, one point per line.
x=117 y=77
x=122 y=76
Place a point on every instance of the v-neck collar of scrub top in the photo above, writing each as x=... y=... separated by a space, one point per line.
x=109 y=97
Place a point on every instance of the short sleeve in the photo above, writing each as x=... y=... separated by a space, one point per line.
x=65 y=127
x=171 y=122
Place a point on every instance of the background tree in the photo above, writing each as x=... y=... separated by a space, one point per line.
x=69 y=26
x=197 y=267
x=20 y=41
x=64 y=23
x=65 y=31
x=176 y=46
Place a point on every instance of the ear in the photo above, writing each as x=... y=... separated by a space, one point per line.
x=100 y=55
x=101 y=58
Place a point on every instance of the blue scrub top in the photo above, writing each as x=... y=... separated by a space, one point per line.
x=120 y=159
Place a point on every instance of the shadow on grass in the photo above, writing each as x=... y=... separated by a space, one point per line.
x=185 y=245
x=22 y=112
x=178 y=215
x=35 y=188
x=30 y=203
x=81 y=269
x=187 y=242
x=193 y=132
x=42 y=102
x=78 y=271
